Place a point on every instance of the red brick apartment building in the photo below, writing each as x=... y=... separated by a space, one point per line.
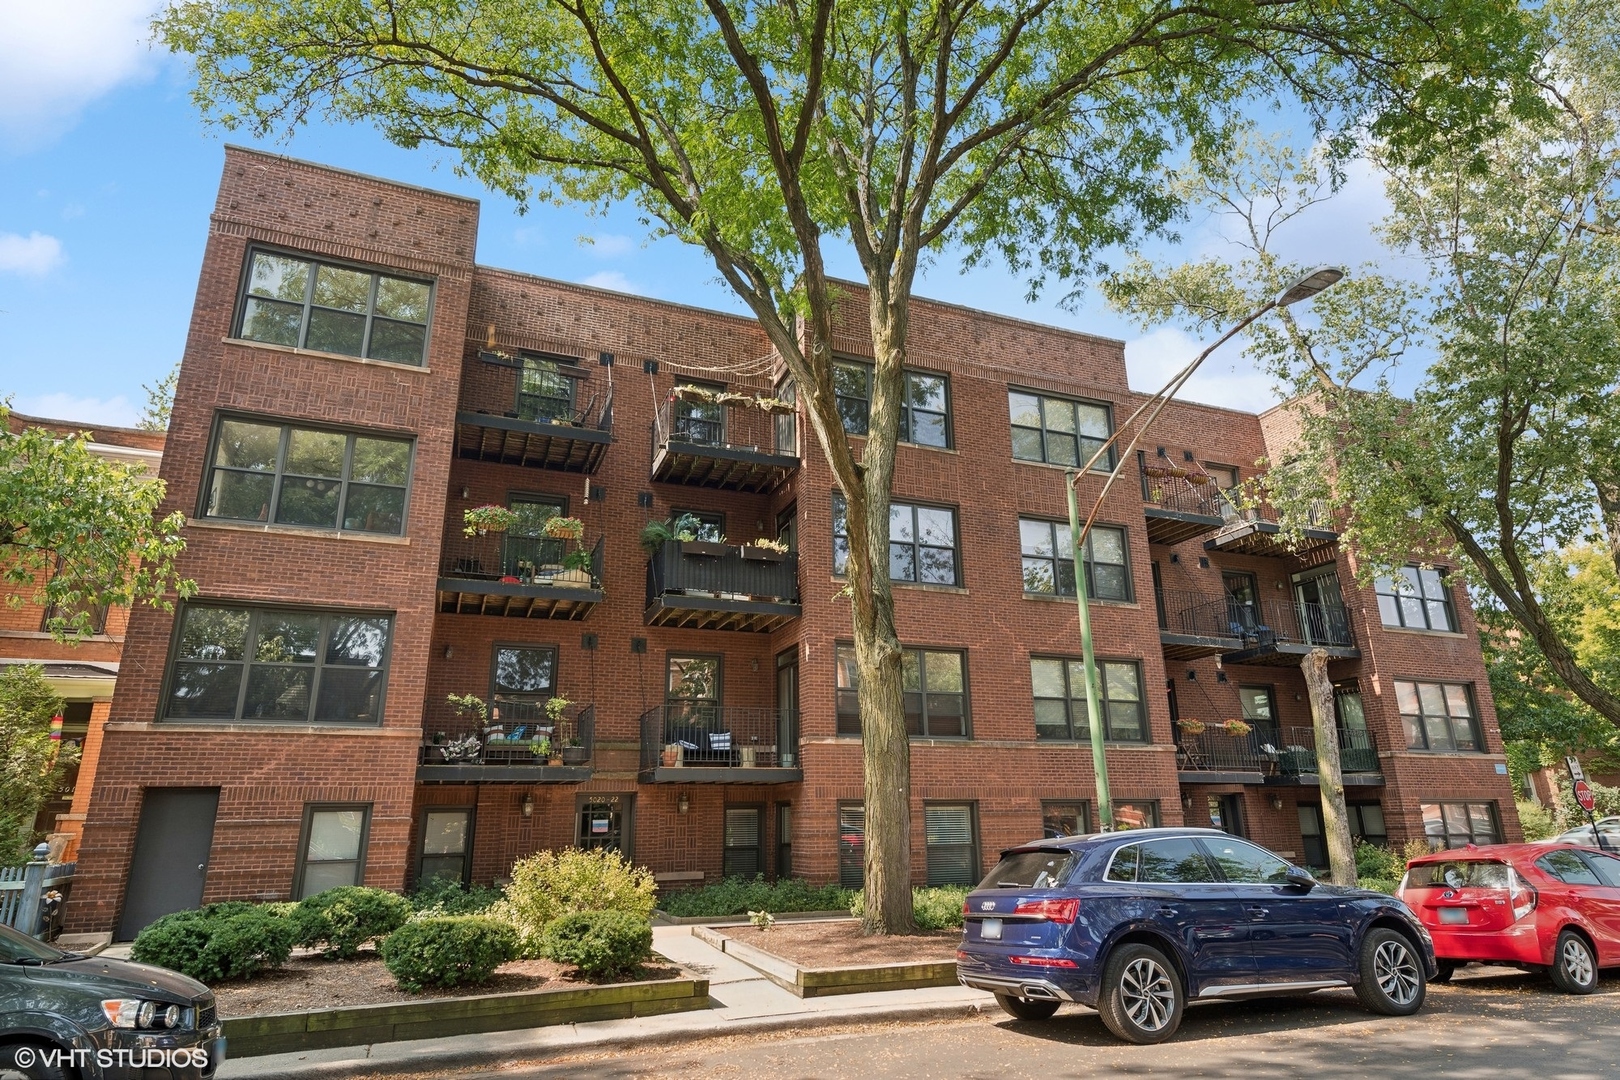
x=82 y=673
x=354 y=381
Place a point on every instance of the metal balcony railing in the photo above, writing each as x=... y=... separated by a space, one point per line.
x=696 y=734
x=1216 y=751
x=525 y=560
x=1194 y=494
x=1297 y=751
x=499 y=387
x=518 y=733
x=721 y=572
x=729 y=425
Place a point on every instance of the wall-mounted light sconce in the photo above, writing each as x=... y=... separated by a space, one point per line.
x=526 y=805
x=682 y=804
x=449 y=651
x=1186 y=802
x=756 y=663
x=1279 y=585
x=1276 y=802
x=466 y=492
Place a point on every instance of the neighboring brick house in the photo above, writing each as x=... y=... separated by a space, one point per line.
x=288 y=729
x=82 y=672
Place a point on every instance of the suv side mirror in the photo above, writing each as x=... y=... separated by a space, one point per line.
x=1300 y=878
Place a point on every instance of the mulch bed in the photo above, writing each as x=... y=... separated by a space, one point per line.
x=312 y=982
x=838 y=944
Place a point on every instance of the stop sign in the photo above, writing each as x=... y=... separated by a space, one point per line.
x=1583 y=795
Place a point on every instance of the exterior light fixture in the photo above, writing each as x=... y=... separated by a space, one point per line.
x=1276 y=802
x=682 y=804
x=526 y=805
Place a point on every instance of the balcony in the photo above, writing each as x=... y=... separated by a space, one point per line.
x=1192 y=625
x=718 y=444
x=698 y=743
x=1254 y=534
x=1268 y=755
x=702 y=586
x=1296 y=758
x=505 y=420
x=517 y=746
x=1278 y=633
x=515 y=576
x=1179 y=508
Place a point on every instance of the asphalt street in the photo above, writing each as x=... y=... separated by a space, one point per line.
x=1502 y=1024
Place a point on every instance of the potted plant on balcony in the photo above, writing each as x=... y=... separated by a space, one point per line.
x=565 y=528
x=766 y=550
x=655 y=534
x=732 y=397
x=463 y=751
x=1236 y=728
x=695 y=395
x=1190 y=726
x=774 y=406
x=487 y=519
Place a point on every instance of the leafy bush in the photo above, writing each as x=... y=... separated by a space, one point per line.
x=599 y=943
x=933 y=909
x=738 y=895
x=1537 y=820
x=451 y=950
x=1377 y=864
x=548 y=885
x=343 y=919
x=233 y=940
x=447 y=896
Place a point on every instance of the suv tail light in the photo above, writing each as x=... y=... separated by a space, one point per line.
x=1058 y=911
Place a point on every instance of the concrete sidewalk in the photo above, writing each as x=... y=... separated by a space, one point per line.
x=743 y=1001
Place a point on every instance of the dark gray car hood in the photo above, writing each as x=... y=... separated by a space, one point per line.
x=123 y=978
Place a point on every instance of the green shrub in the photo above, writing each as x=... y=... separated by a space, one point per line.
x=1377 y=864
x=233 y=940
x=1537 y=821
x=933 y=909
x=451 y=950
x=1383 y=885
x=343 y=919
x=599 y=943
x=738 y=895
x=548 y=885
x=447 y=896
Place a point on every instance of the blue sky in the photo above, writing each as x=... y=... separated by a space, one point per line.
x=107 y=176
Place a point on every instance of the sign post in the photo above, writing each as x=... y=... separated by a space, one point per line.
x=1583 y=796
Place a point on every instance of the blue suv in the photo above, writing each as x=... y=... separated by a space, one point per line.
x=1133 y=924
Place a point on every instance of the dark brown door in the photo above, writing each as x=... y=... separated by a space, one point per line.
x=170 y=862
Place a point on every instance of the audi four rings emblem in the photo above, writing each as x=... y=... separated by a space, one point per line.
x=987 y=905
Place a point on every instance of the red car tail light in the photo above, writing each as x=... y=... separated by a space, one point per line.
x=1058 y=911
x=1520 y=895
x=1042 y=961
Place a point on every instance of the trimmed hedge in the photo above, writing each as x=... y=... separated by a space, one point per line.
x=451 y=950
x=551 y=884
x=739 y=895
x=446 y=896
x=343 y=919
x=599 y=943
x=933 y=909
x=232 y=940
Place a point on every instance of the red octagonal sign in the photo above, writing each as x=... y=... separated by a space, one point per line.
x=1583 y=795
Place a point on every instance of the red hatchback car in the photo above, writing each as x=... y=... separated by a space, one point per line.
x=1543 y=907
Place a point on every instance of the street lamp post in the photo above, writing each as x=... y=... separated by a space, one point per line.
x=1302 y=289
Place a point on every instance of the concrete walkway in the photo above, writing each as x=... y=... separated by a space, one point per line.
x=743 y=1001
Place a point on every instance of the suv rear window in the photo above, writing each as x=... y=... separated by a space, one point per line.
x=1030 y=870
x=1460 y=874
x=1160 y=862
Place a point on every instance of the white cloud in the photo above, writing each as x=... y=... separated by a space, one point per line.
x=35 y=254
x=612 y=279
x=1225 y=379
x=118 y=411
x=58 y=56
x=607 y=245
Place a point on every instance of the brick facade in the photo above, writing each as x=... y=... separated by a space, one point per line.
x=631 y=351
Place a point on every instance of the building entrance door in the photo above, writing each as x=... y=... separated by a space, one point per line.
x=170 y=863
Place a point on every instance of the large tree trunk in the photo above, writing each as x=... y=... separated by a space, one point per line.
x=1335 y=817
x=1608 y=493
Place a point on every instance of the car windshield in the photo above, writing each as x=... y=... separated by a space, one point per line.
x=1459 y=874
x=1030 y=870
x=18 y=948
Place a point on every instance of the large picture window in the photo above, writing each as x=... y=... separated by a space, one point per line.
x=309 y=477
x=934 y=692
x=1049 y=560
x=524 y=679
x=1455 y=824
x=1437 y=716
x=286 y=666
x=922 y=543
x=1416 y=598
x=1058 y=431
x=1060 y=699
x=924 y=403
x=310 y=304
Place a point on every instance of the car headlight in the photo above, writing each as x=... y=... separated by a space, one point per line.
x=132 y=1013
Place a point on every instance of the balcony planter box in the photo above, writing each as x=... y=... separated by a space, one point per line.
x=574 y=579
x=704 y=547
x=762 y=554
x=575 y=755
